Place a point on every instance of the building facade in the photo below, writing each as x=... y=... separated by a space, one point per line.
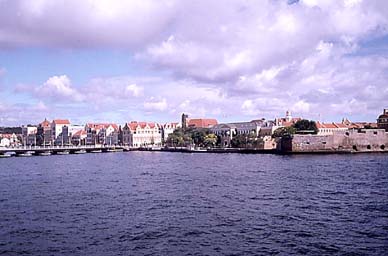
x=167 y=129
x=102 y=133
x=330 y=128
x=227 y=131
x=60 y=131
x=141 y=134
x=29 y=135
x=44 y=134
x=382 y=121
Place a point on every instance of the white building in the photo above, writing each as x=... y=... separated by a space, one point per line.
x=60 y=131
x=142 y=134
x=29 y=135
x=330 y=128
x=102 y=133
x=5 y=142
x=169 y=128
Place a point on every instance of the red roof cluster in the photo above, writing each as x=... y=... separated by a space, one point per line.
x=134 y=124
x=202 y=123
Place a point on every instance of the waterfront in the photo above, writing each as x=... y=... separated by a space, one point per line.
x=138 y=203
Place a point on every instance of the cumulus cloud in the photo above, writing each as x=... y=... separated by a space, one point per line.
x=222 y=57
x=58 y=87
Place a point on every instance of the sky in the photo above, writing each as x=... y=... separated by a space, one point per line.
x=152 y=60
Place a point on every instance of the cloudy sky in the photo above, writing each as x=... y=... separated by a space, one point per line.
x=116 y=60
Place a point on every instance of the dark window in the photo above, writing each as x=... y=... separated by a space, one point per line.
x=382 y=147
x=354 y=147
x=323 y=142
x=368 y=147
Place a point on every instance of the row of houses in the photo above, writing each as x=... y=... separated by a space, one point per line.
x=138 y=134
x=62 y=132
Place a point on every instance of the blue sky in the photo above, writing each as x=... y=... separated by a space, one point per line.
x=234 y=60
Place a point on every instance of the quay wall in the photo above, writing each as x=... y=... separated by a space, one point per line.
x=366 y=140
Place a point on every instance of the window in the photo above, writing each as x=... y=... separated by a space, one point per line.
x=368 y=147
x=382 y=147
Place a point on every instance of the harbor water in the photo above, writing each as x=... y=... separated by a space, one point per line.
x=160 y=203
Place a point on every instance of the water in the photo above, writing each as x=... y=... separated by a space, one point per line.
x=143 y=203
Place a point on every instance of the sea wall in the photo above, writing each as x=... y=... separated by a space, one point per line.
x=365 y=140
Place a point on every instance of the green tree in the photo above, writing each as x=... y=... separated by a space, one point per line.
x=245 y=141
x=306 y=125
x=210 y=140
x=283 y=132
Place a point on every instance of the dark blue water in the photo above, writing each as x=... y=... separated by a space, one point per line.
x=143 y=203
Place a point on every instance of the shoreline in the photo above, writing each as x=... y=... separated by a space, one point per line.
x=23 y=152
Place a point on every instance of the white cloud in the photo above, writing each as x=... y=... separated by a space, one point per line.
x=58 y=87
x=133 y=90
x=155 y=104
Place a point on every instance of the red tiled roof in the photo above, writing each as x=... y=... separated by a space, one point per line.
x=330 y=125
x=80 y=132
x=99 y=126
x=134 y=124
x=45 y=123
x=202 y=122
x=61 y=121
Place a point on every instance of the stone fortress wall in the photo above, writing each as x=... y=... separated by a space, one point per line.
x=365 y=140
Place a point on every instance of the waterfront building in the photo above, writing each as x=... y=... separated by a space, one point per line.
x=184 y=120
x=74 y=128
x=60 y=131
x=102 y=133
x=201 y=123
x=287 y=121
x=382 y=121
x=197 y=122
x=141 y=134
x=330 y=128
x=44 y=133
x=79 y=138
x=358 y=125
x=29 y=135
x=227 y=131
x=9 y=140
x=168 y=128
x=5 y=142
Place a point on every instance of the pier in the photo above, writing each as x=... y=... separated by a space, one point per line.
x=59 y=150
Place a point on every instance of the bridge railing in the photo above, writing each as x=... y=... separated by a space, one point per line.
x=56 y=147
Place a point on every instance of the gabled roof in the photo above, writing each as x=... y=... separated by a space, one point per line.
x=99 y=126
x=133 y=125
